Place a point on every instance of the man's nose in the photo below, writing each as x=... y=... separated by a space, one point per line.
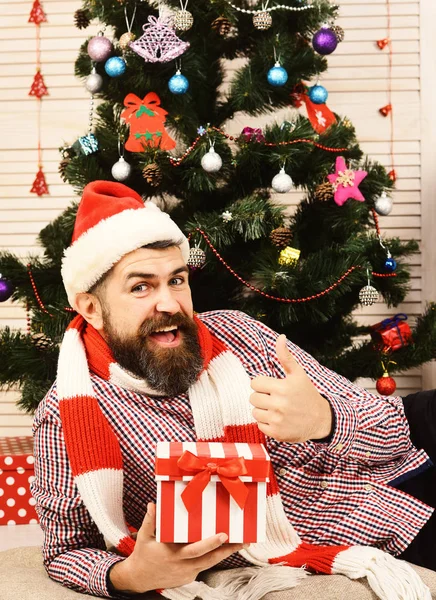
x=166 y=302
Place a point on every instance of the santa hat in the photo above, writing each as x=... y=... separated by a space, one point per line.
x=112 y=220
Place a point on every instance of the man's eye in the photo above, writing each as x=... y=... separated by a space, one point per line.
x=177 y=281
x=141 y=287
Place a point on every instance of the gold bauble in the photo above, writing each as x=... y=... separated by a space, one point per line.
x=183 y=20
x=126 y=38
x=262 y=20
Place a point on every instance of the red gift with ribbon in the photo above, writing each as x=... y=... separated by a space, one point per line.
x=392 y=333
x=205 y=488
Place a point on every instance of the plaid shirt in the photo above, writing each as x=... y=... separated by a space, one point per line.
x=337 y=492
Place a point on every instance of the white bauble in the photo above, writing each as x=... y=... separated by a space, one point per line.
x=282 y=183
x=383 y=204
x=211 y=161
x=94 y=82
x=121 y=170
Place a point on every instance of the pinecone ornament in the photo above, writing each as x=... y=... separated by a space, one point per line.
x=41 y=341
x=222 y=26
x=339 y=32
x=82 y=18
x=281 y=236
x=324 y=192
x=63 y=168
x=152 y=174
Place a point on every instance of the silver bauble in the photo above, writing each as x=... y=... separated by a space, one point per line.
x=197 y=258
x=183 y=20
x=368 y=295
x=94 y=82
x=383 y=204
x=211 y=161
x=121 y=170
x=282 y=183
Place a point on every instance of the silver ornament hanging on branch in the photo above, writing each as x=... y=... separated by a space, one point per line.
x=121 y=170
x=368 y=295
x=211 y=161
x=94 y=82
x=383 y=204
x=282 y=182
x=197 y=258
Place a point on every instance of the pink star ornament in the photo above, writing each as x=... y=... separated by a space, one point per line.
x=345 y=182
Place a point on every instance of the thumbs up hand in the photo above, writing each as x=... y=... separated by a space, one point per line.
x=290 y=409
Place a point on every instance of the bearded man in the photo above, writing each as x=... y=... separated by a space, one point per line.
x=137 y=366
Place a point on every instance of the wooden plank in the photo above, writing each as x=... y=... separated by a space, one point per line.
x=19 y=420
x=428 y=52
x=15 y=430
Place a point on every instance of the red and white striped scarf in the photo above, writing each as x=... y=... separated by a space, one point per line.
x=222 y=412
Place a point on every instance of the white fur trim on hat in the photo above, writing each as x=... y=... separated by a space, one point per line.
x=102 y=246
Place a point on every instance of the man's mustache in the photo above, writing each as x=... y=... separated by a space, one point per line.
x=177 y=320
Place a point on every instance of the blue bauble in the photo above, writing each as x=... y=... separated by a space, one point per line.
x=390 y=265
x=318 y=94
x=277 y=75
x=115 y=66
x=178 y=84
x=325 y=41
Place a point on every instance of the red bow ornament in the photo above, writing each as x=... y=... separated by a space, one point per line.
x=228 y=472
x=320 y=116
x=147 y=123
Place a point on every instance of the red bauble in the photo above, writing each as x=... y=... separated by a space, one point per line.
x=386 y=385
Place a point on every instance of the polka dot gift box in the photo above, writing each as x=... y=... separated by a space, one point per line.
x=17 y=507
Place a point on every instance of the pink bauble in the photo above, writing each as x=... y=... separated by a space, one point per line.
x=99 y=48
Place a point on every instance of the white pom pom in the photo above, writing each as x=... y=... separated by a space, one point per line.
x=211 y=161
x=282 y=183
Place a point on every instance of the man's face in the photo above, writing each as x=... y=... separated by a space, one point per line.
x=148 y=319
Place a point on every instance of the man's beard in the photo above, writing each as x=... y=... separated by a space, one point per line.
x=168 y=371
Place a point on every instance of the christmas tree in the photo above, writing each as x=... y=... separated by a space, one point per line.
x=164 y=105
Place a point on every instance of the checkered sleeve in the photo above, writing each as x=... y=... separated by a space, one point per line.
x=369 y=429
x=74 y=552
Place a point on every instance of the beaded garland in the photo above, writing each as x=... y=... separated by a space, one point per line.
x=177 y=161
x=278 y=298
x=275 y=7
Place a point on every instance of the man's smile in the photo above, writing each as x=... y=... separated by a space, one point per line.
x=166 y=336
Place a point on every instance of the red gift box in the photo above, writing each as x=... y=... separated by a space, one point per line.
x=17 y=507
x=393 y=333
x=204 y=488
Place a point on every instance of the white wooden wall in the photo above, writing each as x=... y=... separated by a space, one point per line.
x=356 y=82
